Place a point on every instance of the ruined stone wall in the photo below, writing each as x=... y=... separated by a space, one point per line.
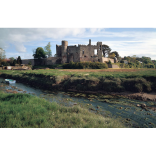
x=58 y=50
x=53 y=60
x=104 y=59
x=81 y=53
x=113 y=66
x=87 y=53
x=73 y=54
x=99 y=51
x=26 y=61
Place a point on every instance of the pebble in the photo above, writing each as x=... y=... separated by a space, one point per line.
x=138 y=105
x=143 y=105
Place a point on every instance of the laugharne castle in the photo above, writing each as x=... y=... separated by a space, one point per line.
x=66 y=54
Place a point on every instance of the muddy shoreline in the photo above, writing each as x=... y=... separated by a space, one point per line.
x=131 y=95
x=143 y=96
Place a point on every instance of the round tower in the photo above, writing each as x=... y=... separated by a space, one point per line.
x=64 y=51
x=64 y=47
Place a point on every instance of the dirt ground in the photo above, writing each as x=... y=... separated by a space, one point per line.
x=139 y=96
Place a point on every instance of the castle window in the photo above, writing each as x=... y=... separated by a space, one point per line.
x=83 y=52
x=95 y=51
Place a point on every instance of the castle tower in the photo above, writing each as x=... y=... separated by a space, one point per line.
x=89 y=41
x=64 y=51
x=99 y=51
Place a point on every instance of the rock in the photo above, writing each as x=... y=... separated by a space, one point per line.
x=143 y=105
x=92 y=109
x=146 y=109
x=74 y=103
x=138 y=105
x=20 y=90
x=149 y=114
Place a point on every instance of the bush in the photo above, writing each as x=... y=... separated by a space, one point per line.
x=109 y=62
x=149 y=66
x=136 y=84
x=84 y=65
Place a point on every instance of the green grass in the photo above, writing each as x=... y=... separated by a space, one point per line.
x=105 y=74
x=26 y=111
x=106 y=80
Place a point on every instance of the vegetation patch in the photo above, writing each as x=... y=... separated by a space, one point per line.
x=111 y=80
x=23 y=110
x=85 y=65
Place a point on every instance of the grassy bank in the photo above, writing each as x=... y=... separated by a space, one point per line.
x=23 y=110
x=135 y=80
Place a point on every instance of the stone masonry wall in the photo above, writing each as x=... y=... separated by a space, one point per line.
x=104 y=59
x=26 y=61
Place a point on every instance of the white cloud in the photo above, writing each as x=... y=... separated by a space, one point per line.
x=20 y=36
x=127 y=43
x=20 y=47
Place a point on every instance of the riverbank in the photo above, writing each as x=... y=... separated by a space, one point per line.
x=26 y=111
x=138 y=96
x=134 y=83
x=131 y=112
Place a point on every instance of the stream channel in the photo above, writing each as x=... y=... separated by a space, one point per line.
x=115 y=107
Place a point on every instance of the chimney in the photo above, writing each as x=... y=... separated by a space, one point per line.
x=89 y=41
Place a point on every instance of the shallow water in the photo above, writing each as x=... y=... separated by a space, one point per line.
x=123 y=109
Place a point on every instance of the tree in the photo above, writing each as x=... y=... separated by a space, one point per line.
x=111 y=55
x=39 y=53
x=116 y=54
x=2 y=56
x=14 y=62
x=48 y=50
x=146 y=60
x=2 y=53
x=19 y=61
x=106 y=50
x=11 y=60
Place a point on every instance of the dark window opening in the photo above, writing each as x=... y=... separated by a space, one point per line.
x=99 y=60
x=83 y=52
x=85 y=56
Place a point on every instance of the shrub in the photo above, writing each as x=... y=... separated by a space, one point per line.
x=149 y=66
x=85 y=65
x=109 y=62
x=136 y=84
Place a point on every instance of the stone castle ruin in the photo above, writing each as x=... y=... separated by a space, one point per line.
x=67 y=54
